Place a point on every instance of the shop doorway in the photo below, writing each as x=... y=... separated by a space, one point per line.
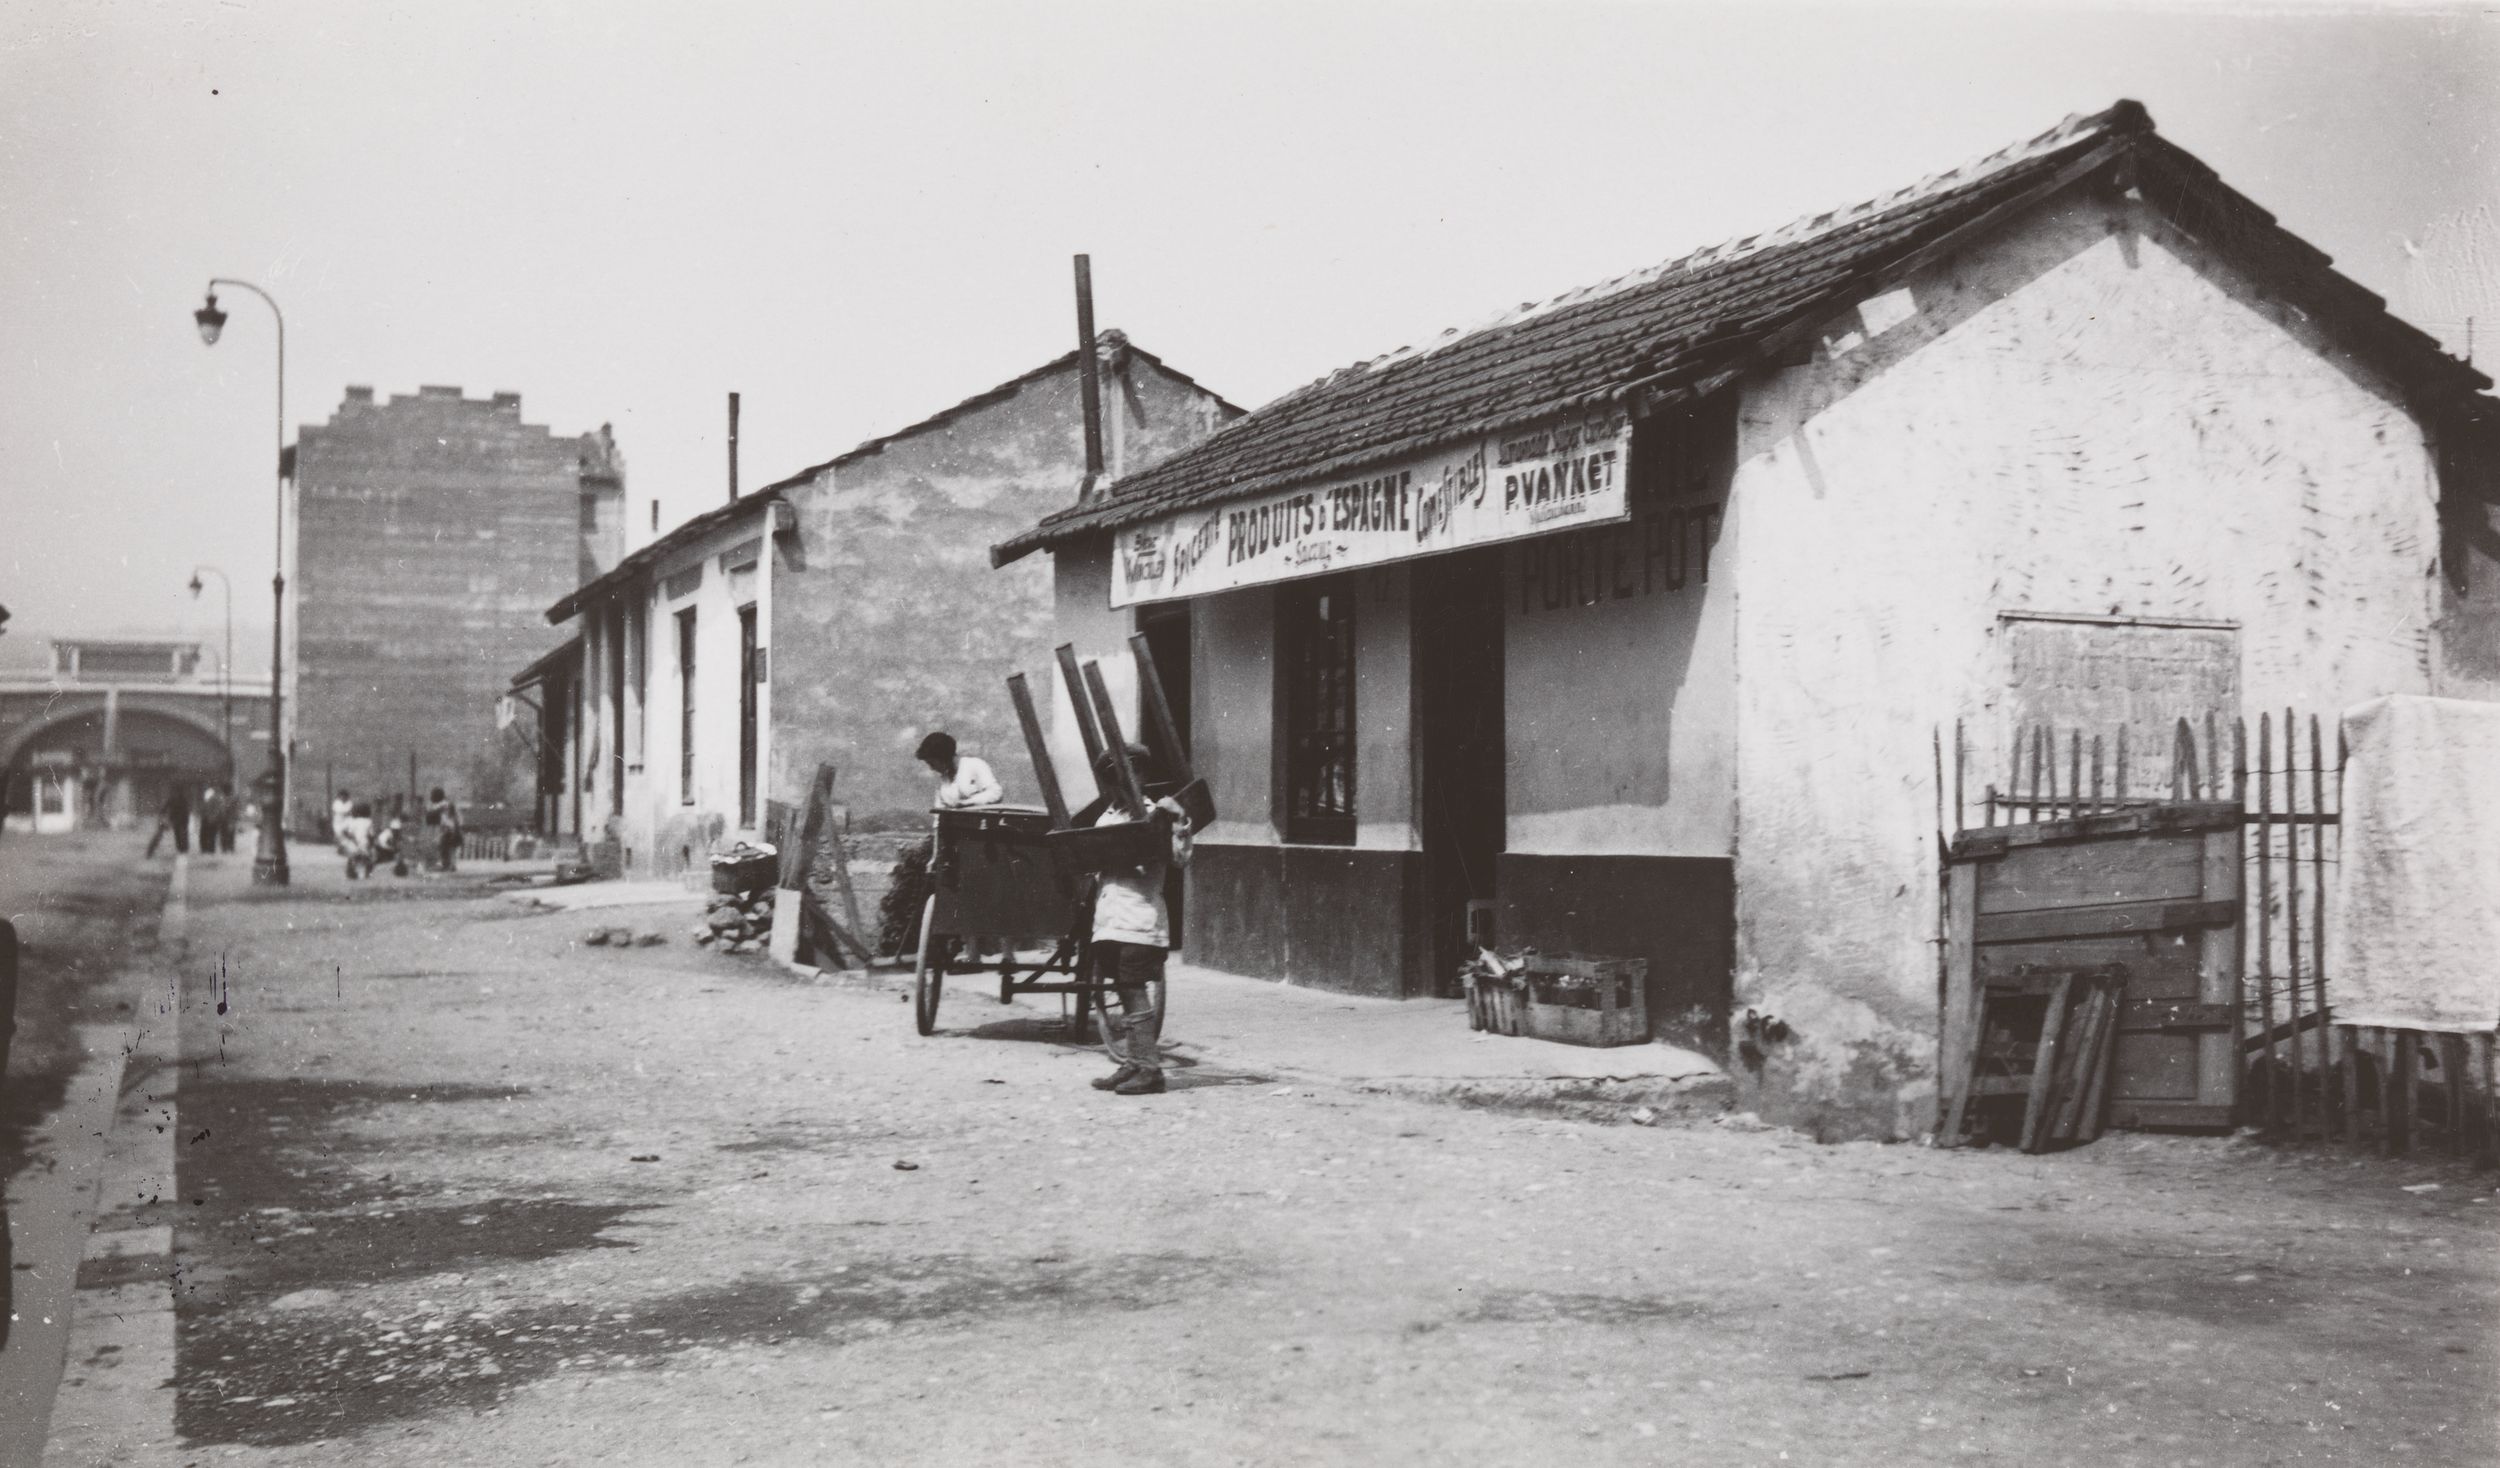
x=1458 y=721
x=1166 y=628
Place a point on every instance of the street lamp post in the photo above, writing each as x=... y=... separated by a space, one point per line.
x=225 y=669
x=269 y=860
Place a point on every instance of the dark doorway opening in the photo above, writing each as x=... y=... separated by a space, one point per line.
x=746 y=715
x=1459 y=731
x=1167 y=637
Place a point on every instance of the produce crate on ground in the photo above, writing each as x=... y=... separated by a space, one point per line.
x=1582 y=1000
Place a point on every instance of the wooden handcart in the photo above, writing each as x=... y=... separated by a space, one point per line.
x=1013 y=882
x=999 y=889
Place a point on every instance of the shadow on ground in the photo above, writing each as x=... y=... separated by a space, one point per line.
x=271 y=1377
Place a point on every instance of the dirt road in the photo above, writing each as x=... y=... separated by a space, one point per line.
x=457 y=1189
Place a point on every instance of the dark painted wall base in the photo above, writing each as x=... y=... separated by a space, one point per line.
x=1331 y=917
x=1677 y=912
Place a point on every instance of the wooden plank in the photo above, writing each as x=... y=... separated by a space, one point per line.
x=2145 y=867
x=2139 y=1016
x=2074 y=1076
x=2218 y=971
x=2044 y=1067
x=1086 y=729
x=1958 y=1026
x=2124 y=1113
x=2098 y=1068
x=838 y=937
x=2120 y=917
x=1037 y=748
x=842 y=879
x=796 y=859
x=1132 y=791
x=2190 y=816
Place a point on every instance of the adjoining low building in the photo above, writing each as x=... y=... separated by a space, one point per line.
x=834 y=616
x=1630 y=621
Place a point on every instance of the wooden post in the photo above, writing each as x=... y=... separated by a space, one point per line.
x=1988 y=793
x=2483 y=1046
x=2349 y=1043
x=1958 y=1032
x=2265 y=915
x=2408 y=1094
x=2452 y=1086
x=2291 y=915
x=2317 y=927
x=2239 y=763
x=1086 y=729
x=2097 y=803
x=1960 y=818
x=1935 y=739
x=2120 y=782
x=1037 y=745
x=2039 y=767
x=2213 y=759
x=2074 y=773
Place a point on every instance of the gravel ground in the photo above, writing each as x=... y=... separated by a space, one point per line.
x=460 y=1189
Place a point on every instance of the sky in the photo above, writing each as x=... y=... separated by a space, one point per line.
x=855 y=215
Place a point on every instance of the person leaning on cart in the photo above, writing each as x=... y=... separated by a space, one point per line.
x=964 y=780
x=1132 y=931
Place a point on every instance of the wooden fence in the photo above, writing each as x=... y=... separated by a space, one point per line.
x=2305 y=1077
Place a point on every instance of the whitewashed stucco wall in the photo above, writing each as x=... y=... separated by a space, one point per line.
x=664 y=831
x=2088 y=415
x=1619 y=700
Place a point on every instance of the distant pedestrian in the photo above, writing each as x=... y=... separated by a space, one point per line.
x=390 y=837
x=340 y=809
x=355 y=838
x=174 y=817
x=443 y=818
x=216 y=820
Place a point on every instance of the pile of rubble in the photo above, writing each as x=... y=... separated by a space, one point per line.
x=737 y=922
x=622 y=938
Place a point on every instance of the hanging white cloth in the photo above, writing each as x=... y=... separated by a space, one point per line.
x=2417 y=944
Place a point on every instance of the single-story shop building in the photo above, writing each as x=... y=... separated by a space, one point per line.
x=833 y=616
x=1629 y=621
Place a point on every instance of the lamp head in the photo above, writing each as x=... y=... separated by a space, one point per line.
x=211 y=320
x=196 y=587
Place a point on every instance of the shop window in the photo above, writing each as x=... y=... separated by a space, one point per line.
x=1315 y=634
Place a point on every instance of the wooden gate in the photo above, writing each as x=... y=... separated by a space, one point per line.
x=2148 y=897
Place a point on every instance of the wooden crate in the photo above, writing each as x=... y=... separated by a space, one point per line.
x=1584 y=1000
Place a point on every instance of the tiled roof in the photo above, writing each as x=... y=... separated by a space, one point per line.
x=1111 y=343
x=1684 y=329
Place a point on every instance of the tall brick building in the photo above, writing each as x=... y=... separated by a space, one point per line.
x=431 y=533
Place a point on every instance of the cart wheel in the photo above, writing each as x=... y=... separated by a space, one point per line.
x=928 y=980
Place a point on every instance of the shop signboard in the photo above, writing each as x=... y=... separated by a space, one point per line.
x=1510 y=485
